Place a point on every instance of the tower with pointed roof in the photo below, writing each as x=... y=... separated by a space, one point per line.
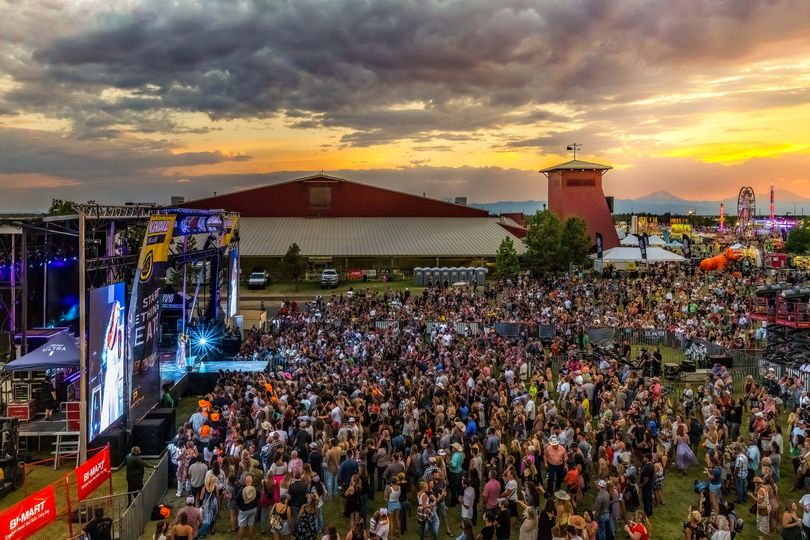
x=575 y=189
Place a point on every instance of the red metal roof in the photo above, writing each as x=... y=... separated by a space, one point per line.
x=331 y=197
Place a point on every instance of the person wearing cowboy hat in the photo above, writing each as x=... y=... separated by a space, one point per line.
x=554 y=457
x=575 y=526
x=247 y=502
x=454 y=470
x=135 y=471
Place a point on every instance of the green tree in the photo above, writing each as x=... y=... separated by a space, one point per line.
x=544 y=243
x=798 y=241
x=62 y=208
x=293 y=266
x=506 y=259
x=576 y=242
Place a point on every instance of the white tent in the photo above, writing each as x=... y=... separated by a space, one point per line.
x=632 y=240
x=656 y=240
x=623 y=258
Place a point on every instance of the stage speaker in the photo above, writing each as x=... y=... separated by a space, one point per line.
x=148 y=435
x=687 y=366
x=725 y=361
x=169 y=415
x=117 y=439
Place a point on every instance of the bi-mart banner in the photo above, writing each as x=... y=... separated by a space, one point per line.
x=93 y=472
x=29 y=515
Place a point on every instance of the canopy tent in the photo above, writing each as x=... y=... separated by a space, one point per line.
x=655 y=240
x=675 y=244
x=623 y=258
x=629 y=240
x=58 y=352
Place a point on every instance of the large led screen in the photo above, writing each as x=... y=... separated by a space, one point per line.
x=107 y=351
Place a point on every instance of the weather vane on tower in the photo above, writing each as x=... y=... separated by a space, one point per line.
x=574 y=147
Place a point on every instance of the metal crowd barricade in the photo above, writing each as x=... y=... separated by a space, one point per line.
x=135 y=518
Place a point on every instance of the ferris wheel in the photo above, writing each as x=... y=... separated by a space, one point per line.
x=746 y=207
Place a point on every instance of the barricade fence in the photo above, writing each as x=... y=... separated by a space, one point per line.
x=674 y=345
x=136 y=517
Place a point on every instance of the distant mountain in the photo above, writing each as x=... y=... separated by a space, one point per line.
x=661 y=202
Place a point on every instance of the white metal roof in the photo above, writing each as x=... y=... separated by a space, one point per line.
x=374 y=237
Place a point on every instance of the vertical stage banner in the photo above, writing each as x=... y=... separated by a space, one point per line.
x=144 y=316
x=642 y=246
x=29 y=515
x=599 y=245
x=233 y=281
x=687 y=246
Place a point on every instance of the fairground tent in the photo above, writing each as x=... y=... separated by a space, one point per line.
x=627 y=258
x=58 y=352
x=632 y=240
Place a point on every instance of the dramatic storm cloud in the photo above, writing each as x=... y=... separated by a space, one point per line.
x=153 y=91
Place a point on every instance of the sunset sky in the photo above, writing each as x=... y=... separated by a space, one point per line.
x=139 y=100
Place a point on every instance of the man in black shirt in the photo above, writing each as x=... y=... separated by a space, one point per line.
x=315 y=459
x=48 y=393
x=135 y=469
x=503 y=522
x=647 y=478
x=247 y=502
x=100 y=528
x=298 y=497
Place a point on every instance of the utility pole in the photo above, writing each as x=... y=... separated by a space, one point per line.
x=574 y=147
x=82 y=339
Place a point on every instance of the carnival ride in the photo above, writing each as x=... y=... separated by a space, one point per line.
x=746 y=209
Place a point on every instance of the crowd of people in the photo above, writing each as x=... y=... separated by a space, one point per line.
x=422 y=427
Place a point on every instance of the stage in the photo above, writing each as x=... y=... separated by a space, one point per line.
x=203 y=375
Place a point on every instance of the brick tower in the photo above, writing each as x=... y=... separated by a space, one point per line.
x=575 y=189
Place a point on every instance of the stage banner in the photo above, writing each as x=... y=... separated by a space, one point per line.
x=642 y=246
x=29 y=515
x=229 y=226
x=687 y=246
x=92 y=473
x=144 y=316
x=599 y=245
x=233 y=281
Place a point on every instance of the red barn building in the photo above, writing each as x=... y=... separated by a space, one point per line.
x=345 y=224
x=575 y=190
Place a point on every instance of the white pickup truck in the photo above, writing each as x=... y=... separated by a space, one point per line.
x=258 y=280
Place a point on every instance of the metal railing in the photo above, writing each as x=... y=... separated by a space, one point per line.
x=135 y=518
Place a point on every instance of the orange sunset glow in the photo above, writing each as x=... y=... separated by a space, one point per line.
x=141 y=100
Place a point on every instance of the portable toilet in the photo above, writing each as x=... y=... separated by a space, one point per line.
x=454 y=274
x=463 y=274
x=480 y=275
x=445 y=274
x=435 y=275
x=419 y=276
